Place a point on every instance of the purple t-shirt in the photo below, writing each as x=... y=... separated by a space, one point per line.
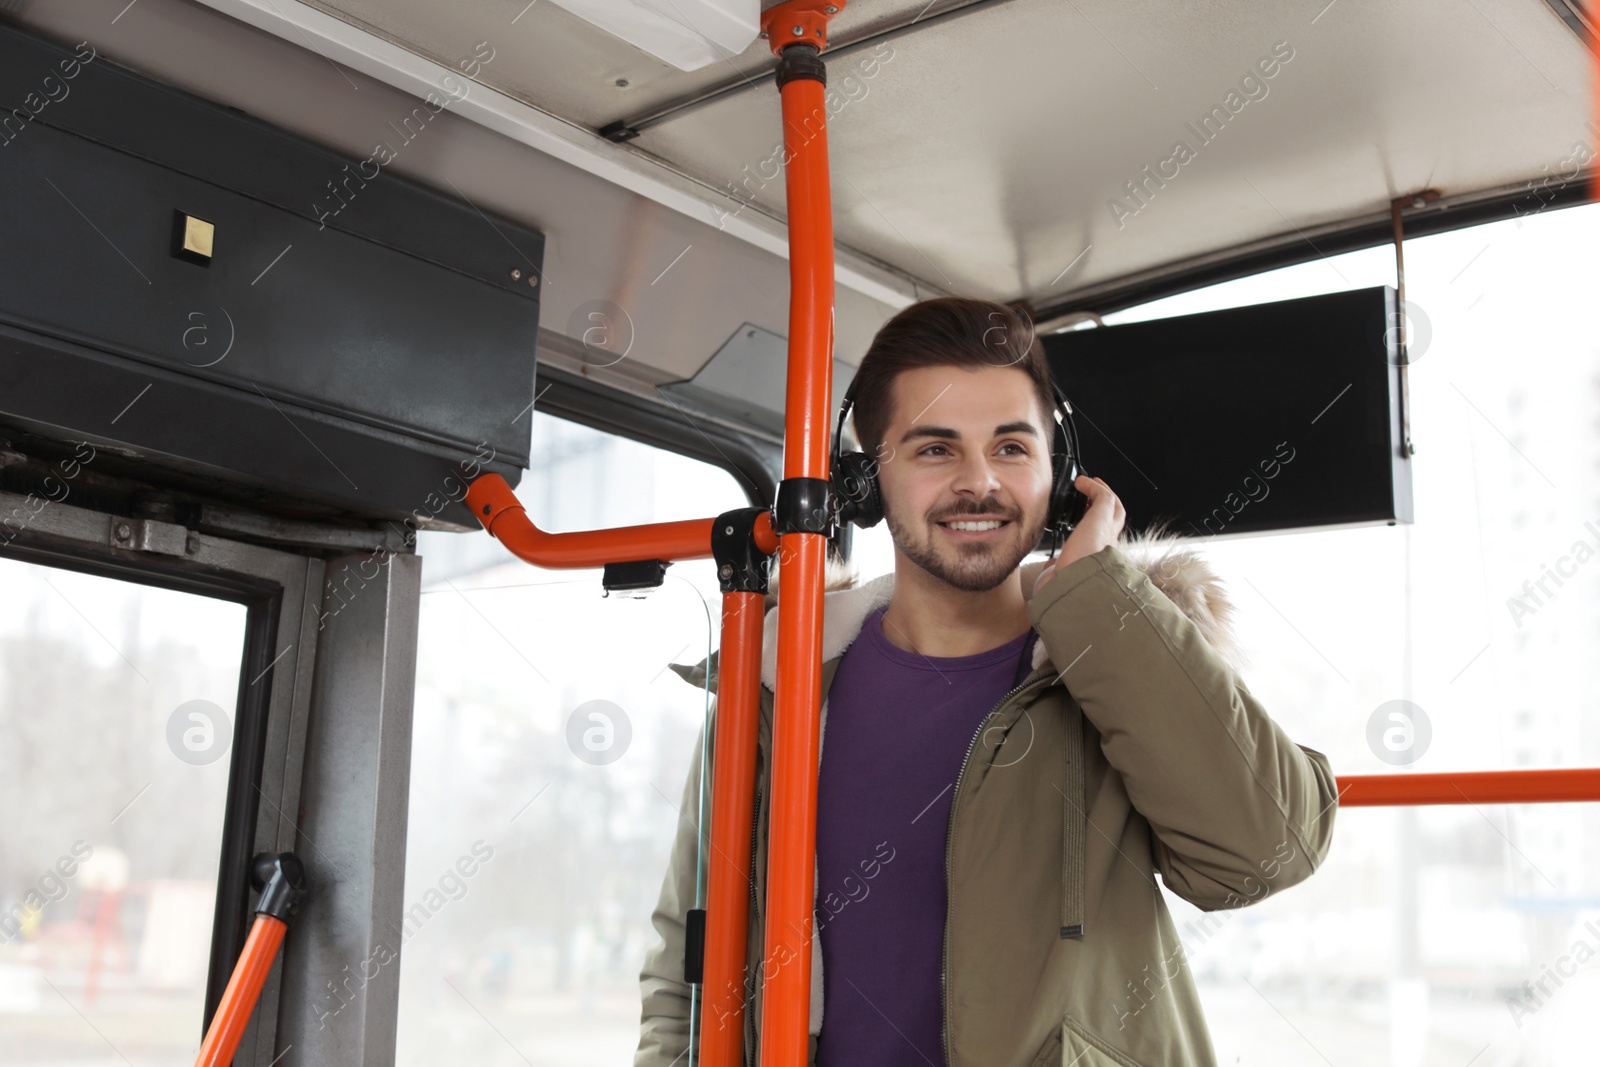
x=898 y=727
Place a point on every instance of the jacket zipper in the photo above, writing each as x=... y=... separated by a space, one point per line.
x=950 y=834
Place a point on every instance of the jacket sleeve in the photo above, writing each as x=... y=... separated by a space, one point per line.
x=664 y=995
x=1237 y=809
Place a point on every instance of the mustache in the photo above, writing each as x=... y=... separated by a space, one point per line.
x=1010 y=514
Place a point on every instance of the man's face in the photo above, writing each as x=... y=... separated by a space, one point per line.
x=965 y=446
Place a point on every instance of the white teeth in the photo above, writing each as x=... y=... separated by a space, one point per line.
x=974 y=526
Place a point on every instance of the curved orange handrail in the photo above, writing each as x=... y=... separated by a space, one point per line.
x=502 y=514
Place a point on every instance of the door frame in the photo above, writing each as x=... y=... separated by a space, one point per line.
x=282 y=594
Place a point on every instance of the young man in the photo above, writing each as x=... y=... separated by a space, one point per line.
x=1012 y=753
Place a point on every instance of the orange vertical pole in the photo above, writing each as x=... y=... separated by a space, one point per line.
x=733 y=777
x=793 y=29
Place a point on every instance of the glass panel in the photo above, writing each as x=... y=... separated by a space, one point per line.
x=549 y=753
x=1437 y=936
x=116 y=708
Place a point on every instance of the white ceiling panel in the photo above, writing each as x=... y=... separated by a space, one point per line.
x=986 y=154
x=980 y=147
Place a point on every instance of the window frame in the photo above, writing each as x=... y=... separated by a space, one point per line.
x=280 y=592
x=1290 y=250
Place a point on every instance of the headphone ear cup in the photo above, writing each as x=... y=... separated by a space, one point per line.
x=855 y=483
x=1073 y=503
x=1066 y=499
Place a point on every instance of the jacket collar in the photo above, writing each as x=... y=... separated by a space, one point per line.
x=1172 y=567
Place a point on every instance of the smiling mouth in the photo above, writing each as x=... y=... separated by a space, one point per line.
x=974 y=525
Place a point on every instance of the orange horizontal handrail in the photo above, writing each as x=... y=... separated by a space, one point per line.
x=502 y=514
x=1545 y=786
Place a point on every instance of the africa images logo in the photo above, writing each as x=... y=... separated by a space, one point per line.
x=1399 y=732
x=199 y=732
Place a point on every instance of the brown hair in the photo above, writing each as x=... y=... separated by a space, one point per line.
x=946 y=331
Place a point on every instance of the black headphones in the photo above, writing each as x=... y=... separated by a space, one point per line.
x=858 y=499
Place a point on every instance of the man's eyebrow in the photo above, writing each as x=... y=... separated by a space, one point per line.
x=949 y=434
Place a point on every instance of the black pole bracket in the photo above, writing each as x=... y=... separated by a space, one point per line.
x=803 y=507
x=741 y=566
x=282 y=881
x=801 y=61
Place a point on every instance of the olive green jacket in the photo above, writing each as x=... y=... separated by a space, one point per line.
x=1132 y=749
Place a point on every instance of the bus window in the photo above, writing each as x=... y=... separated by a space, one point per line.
x=116 y=709
x=1435 y=935
x=549 y=751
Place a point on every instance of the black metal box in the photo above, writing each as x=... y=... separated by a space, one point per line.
x=243 y=310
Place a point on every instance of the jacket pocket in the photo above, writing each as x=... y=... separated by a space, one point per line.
x=1080 y=1048
x=1050 y=1055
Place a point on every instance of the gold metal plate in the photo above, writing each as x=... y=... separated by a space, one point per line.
x=197 y=236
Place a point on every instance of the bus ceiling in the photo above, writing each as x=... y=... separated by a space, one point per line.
x=1088 y=155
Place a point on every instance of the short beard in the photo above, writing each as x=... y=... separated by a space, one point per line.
x=977 y=568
